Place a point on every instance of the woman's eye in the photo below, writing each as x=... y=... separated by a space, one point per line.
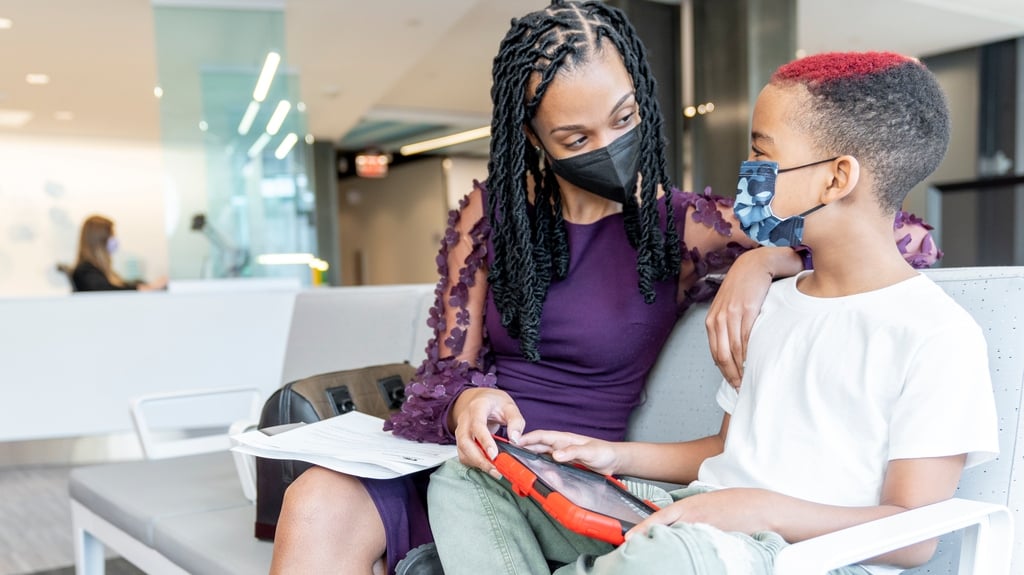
x=577 y=143
x=625 y=120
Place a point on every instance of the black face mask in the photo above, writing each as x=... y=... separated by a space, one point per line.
x=609 y=172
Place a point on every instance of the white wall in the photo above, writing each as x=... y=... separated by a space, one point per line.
x=49 y=186
x=459 y=176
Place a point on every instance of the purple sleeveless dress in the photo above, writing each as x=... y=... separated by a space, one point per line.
x=598 y=342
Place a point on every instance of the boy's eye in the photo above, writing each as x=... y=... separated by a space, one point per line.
x=755 y=152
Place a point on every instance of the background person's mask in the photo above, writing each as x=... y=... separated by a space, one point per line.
x=610 y=172
x=754 y=193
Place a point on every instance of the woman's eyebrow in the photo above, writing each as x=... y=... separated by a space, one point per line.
x=576 y=127
x=621 y=101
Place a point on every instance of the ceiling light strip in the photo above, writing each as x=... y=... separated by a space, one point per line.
x=277 y=118
x=257 y=146
x=266 y=76
x=446 y=141
x=283 y=259
x=286 y=146
x=248 y=117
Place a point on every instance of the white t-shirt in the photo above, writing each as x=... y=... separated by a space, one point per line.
x=834 y=388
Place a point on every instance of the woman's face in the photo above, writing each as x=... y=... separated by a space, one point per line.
x=586 y=108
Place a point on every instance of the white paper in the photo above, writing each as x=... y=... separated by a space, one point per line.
x=352 y=443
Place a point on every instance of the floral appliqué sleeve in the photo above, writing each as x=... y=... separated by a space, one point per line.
x=711 y=247
x=457 y=354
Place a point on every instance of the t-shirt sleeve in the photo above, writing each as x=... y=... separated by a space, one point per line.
x=727 y=396
x=946 y=406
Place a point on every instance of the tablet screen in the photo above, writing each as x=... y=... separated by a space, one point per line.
x=586 y=489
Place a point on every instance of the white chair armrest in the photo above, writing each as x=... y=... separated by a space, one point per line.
x=156 y=447
x=245 y=464
x=986 y=545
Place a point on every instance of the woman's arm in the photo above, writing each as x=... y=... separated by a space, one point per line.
x=457 y=354
x=714 y=243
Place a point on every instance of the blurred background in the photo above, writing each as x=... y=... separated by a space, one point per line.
x=298 y=139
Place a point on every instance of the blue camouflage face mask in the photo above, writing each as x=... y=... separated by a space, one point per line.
x=754 y=194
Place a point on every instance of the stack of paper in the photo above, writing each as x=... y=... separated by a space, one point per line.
x=352 y=443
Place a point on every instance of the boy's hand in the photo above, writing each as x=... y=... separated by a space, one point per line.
x=743 y=510
x=601 y=456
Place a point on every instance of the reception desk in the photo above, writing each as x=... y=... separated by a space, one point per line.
x=70 y=366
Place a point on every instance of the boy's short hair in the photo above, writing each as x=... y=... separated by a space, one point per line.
x=885 y=109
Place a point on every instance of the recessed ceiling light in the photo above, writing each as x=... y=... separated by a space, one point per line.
x=310 y=139
x=14 y=118
x=158 y=92
x=6 y=23
x=203 y=126
x=63 y=115
x=37 y=79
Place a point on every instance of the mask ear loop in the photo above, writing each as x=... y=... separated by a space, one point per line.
x=811 y=211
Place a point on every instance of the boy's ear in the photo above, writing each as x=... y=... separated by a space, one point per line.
x=844 y=177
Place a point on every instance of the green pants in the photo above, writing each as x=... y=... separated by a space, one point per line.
x=480 y=526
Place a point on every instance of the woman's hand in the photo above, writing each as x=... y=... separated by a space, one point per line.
x=738 y=303
x=478 y=413
x=601 y=456
x=159 y=284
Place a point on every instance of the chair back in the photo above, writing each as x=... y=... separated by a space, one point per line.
x=680 y=393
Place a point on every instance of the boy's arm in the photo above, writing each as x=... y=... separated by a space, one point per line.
x=671 y=462
x=909 y=483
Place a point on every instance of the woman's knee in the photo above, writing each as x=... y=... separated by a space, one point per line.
x=320 y=492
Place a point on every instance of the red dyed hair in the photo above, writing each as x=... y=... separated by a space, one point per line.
x=823 y=68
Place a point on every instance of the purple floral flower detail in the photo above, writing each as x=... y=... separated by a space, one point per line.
x=707 y=212
x=903 y=242
x=906 y=218
x=438 y=381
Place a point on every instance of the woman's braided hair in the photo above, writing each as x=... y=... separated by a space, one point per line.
x=530 y=243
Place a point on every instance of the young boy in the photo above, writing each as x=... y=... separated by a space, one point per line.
x=866 y=388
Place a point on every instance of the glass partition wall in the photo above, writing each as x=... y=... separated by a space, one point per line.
x=235 y=149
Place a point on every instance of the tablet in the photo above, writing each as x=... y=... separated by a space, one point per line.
x=582 y=500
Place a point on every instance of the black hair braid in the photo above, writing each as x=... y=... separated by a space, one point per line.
x=658 y=254
x=530 y=242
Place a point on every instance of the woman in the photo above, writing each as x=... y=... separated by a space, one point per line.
x=561 y=279
x=93 y=270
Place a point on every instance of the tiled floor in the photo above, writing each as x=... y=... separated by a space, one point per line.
x=35 y=519
x=35 y=513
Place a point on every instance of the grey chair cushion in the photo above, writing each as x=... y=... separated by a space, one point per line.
x=136 y=495
x=215 y=543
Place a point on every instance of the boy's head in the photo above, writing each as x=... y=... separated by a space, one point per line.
x=884 y=109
